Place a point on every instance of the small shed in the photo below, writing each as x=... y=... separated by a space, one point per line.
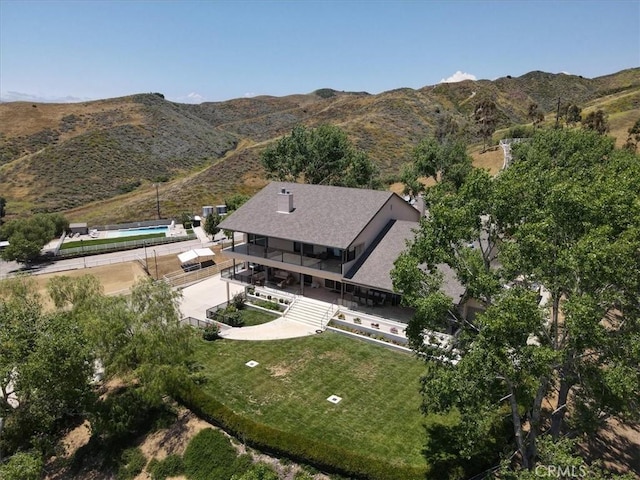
x=79 y=228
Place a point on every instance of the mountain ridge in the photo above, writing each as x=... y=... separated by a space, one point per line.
x=74 y=157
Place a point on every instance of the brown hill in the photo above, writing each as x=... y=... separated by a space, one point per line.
x=98 y=160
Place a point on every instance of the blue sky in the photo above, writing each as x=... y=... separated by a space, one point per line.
x=194 y=51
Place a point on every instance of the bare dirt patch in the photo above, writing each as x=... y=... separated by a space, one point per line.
x=280 y=370
x=617 y=445
x=114 y=279
x=491 y=160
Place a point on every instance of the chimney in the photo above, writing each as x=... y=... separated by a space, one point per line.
x=285 y=201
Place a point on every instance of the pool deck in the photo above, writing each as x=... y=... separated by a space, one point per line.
x=178 y=230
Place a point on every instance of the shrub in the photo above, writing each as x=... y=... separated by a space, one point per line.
x=171 y=466
x=233 y=318
x=122 y=416
x=132 y=461
x=326 y=457
x=239 y=300
x=268 y=305
x=22 y=466
x=210 y=455
x=258 y=471
x=211 y=332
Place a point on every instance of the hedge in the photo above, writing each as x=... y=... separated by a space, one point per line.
x=327 y=457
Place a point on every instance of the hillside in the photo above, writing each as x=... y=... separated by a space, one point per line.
x=98 y=161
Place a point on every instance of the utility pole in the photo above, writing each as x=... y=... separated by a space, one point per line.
x=155 y=257
x=157 y=201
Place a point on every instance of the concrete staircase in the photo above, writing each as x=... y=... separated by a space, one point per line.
x=311 y=312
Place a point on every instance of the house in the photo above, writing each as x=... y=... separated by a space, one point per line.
x=324 y=241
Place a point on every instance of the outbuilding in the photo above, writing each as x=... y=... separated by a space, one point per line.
x=79 y=228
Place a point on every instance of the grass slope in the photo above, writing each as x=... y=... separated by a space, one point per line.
x=379 y=414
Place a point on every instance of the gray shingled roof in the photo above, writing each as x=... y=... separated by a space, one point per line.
x=375 y=271
x=323 y=215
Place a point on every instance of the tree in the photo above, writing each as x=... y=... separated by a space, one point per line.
x=28 y=236
x=559 y=460
x=573 y=114
x=486 y=118
x=444 y=162
x=140 y=337
x=596 y=121
x=565 y=218
x=535 y=114
x=45 y=370
x=409 y=178
x=3 y=204
x=211 y=224
x=634 y=137
x=322 y=156
x=235 y=201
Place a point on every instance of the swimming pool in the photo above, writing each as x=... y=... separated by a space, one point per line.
x=137 y=231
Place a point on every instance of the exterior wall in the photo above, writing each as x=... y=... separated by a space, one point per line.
x=394 y=209
x=280 y=244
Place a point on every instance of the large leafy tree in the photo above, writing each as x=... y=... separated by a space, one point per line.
x=564 y=217
x=28 y=236
x=48 y=359
x=139 y=337
x=445 y=161
x=323 y=156
x=45 y=370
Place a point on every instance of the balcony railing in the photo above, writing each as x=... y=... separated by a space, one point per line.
x=285 y=256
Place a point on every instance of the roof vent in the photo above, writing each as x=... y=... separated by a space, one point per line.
x=285 y=201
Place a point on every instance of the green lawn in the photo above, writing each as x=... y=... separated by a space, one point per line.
x=257 y=317
x=107 y=241
x=379 y=414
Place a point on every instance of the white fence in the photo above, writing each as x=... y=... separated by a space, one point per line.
x=89 y=249
x=179 y=279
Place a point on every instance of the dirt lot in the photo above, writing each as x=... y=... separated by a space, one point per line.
x=114 y=278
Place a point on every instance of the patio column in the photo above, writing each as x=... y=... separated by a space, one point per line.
x=228 y=294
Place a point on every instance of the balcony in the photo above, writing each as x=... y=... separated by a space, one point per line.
x=317 y=262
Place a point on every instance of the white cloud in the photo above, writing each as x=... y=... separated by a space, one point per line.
x=13 y=96
x=459 y=77
x=249 y=94
x=566 y=73
x=192 y=97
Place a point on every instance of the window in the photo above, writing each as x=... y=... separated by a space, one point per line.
x=257 y=239
x=354 y=252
